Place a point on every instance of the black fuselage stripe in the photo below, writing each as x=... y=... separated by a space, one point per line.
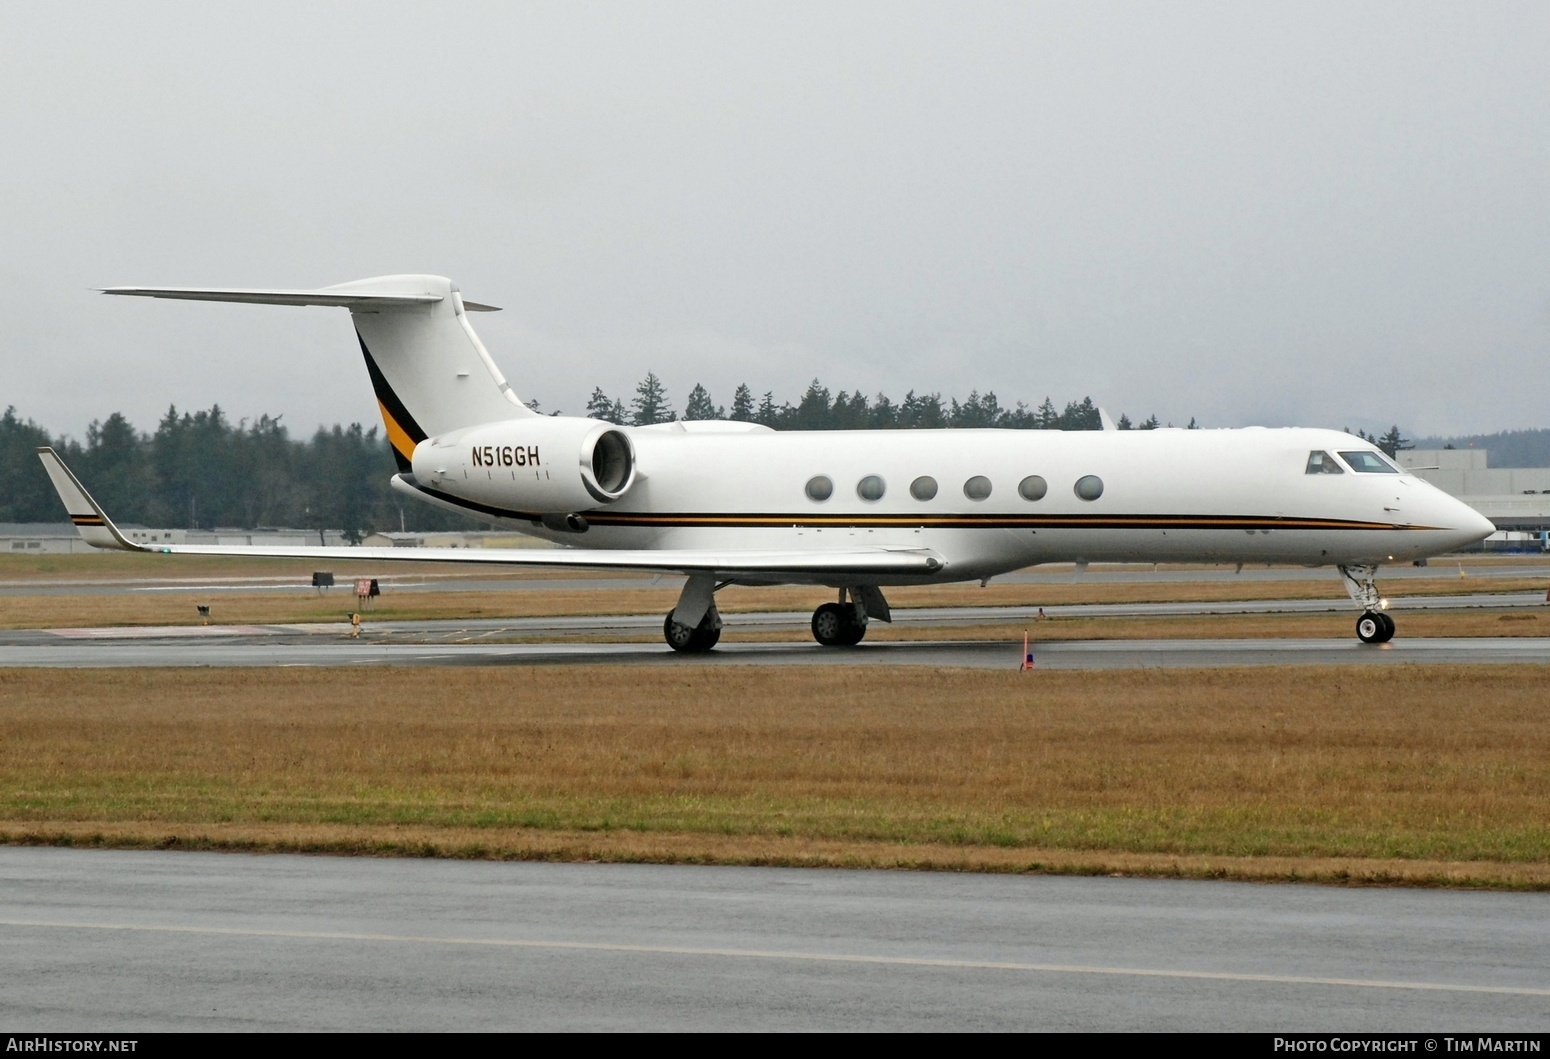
x=483 y=509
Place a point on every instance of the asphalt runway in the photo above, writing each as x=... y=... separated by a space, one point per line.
x=98 y=940
x=1064 y=654
x=479 y=641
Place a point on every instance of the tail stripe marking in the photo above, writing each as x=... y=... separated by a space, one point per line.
x=403 y=432
x=403 y=445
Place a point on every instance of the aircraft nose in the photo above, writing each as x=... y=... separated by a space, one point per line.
x=1471 y=524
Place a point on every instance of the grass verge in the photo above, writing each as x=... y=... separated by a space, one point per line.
x=1424 y=775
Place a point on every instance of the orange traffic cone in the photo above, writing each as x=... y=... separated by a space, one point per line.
x=1027 y=654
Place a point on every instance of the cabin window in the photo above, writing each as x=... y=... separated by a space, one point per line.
x=872 y=487
x=1320 y=462
x=1365 y=461
x=1089 y=487
x=923 y=488
x=820 y=488
x=977 y=488
x=1032 y=488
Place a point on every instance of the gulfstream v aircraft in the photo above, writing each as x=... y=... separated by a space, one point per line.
x=856 y=511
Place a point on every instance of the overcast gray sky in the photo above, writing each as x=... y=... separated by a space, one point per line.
x=1316 y=214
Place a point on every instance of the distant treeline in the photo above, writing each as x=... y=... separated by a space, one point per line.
x=1510 y=448
x=819 y=409
x=202 y=470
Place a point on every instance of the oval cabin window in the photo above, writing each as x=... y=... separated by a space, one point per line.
x=1032 y=488
x=871 y=487
x=977 y=488
x=923 y=488
x=1089 y=487
x=820 y=488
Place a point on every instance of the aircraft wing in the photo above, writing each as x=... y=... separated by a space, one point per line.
x=98 y=530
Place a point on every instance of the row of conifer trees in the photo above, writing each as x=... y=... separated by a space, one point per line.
x=819 y=409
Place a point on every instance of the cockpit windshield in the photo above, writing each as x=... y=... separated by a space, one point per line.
x=1320 y=462
x=1365 y=461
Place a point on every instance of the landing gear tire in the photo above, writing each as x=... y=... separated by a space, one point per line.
x=692 y=641
x=1375 y=627
x=835 y=625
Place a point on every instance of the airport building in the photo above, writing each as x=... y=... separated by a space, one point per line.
x=62 y=538
x=1516 y=499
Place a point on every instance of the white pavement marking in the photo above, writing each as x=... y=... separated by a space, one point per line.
x=781 y=954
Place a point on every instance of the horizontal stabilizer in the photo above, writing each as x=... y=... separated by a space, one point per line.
x=345 y=299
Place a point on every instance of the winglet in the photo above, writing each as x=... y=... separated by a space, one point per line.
x=95 y=526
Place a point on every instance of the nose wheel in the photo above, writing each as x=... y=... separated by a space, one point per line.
x=1375 y=627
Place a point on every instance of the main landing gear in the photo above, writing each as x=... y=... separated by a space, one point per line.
x=844 y=623
x=1374 y=626
x=836 y=625
x=694 y=626
x=701 y=637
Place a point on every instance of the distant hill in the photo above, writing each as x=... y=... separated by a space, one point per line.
x=1510 y=448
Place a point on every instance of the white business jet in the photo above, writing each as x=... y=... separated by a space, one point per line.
x=857 y=511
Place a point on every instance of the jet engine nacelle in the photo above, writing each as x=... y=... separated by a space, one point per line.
x=545 y=465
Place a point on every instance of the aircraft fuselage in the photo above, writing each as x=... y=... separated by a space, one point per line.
x=1168 y=495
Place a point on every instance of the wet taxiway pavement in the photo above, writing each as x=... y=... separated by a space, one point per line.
x=124 y=940
x=261 y=650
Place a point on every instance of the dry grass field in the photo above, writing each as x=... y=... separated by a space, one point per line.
x=1427 y=775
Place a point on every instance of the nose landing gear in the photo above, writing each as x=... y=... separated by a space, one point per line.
x=1374 y=626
